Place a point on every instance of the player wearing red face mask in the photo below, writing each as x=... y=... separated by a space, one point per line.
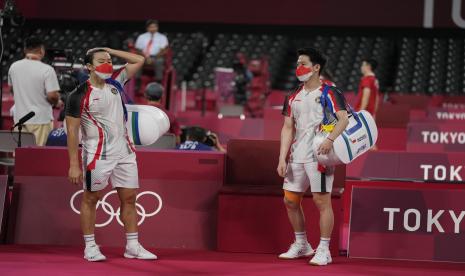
x=304 y=114
x=108 y=156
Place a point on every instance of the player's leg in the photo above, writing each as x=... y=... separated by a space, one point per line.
x=88 y=213
x=321 y=185
x=126 y=181
x=295 y=213
x=295 y=185
x=128 y=213
x=94 y=181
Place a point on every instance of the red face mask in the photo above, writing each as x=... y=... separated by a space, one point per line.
x=104 y=71
x=303 y=73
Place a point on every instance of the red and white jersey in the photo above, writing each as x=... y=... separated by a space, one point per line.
x=306 y=110
x=103 y=126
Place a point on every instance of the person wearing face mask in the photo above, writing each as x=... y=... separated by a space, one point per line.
x=303 y=113
x=35 y=88
x=108 y=156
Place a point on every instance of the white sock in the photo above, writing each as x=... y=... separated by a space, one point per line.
x=132 y=239
x=301 y=237
x=89 y=240
x=324 y=242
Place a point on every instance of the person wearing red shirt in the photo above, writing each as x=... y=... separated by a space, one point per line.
x=368 y=90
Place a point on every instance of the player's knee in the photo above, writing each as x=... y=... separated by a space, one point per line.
x=292 y=200
x=322 y=202
x=129 y=198
x=90 y=198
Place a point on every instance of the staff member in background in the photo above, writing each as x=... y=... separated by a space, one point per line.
x=154 y=95
x=368 y=90
x=35 y=88
x=153 y=45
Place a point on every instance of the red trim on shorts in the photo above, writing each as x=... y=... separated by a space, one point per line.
x=129 y=143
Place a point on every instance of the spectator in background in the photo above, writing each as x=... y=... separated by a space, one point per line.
x=153 y=45
x=35 y=88
x=57 y=138
x=242 y=77
x=154 y=95
x=199 y=139
x=368 y=89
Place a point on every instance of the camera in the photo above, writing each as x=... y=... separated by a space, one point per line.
x=63 y=61
x=211 y=140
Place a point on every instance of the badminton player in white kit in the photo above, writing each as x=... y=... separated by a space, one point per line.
x=108 y=156
x=303 y=119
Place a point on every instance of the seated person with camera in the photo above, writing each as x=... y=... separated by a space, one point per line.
x=198 y=138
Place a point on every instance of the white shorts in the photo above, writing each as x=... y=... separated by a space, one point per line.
x=120 y=173
x=300 y=176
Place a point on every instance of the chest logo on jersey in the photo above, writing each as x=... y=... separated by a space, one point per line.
x=114 y=91
x=317 y=100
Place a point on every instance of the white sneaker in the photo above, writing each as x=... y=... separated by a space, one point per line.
x=93 y=254
x=298 y=250
x=138 y=252
x=322 y=257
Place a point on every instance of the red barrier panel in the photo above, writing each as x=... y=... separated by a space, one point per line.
x=421 y=222
x=177 y=197
x=441 y=101
x=446 y=114
x=254 y=163
x=444 y=167
x=393 y=115
x=392 y=138
x=436 y=137
x=413 y=101
x=259 y=223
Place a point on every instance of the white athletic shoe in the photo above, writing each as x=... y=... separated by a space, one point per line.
x=322 y=257
x=138 y=252
x=93 y=254
x=298 y=250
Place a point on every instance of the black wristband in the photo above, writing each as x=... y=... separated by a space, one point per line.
x=330 y=139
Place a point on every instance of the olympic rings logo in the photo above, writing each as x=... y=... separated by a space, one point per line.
x=108 y=209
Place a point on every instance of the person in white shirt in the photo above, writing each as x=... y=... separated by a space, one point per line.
x=35 y=88
x=153 y=45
